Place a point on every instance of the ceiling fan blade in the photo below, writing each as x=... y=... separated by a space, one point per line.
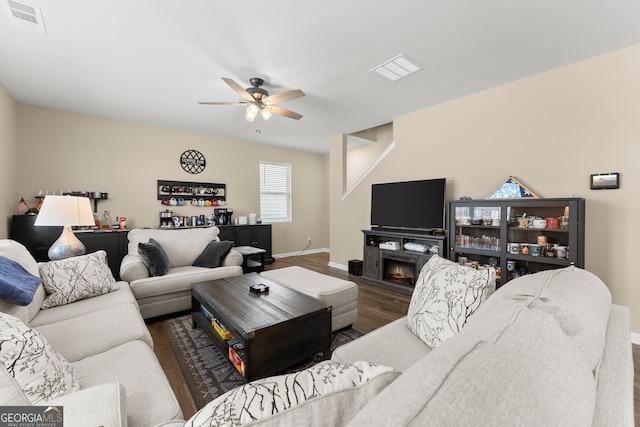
x=235 y=86
x=224 y=103
x=283 y=97
x=284 y=112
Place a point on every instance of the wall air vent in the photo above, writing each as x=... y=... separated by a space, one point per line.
x=24 y=16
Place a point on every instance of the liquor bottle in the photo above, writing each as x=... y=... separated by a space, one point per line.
x=105 y=221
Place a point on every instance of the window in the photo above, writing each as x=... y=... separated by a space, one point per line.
x=275 y=192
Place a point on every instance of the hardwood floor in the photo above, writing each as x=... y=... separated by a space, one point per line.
x=376 y=307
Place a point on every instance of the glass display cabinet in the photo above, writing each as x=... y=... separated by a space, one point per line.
x=517 y=236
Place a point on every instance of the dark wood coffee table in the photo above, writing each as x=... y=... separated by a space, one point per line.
x=278 y=329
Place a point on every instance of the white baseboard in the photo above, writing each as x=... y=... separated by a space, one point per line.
x=313 y=251
x=339 y=266
x=310 y=251
x=635 y=338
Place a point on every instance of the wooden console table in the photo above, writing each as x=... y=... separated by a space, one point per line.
x=39 y=239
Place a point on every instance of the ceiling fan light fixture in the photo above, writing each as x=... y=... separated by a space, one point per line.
x=266 y=113
x=258 y=100
x=252 y=112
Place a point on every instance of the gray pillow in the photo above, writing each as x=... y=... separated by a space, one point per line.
x=213 y=254
x=154 y=258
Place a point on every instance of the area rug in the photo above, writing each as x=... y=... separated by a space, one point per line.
x=206 y=370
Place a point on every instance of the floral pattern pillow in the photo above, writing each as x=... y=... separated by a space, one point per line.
x=267 y=397
x=445 y=296
x=37 y=368
x=76 y=278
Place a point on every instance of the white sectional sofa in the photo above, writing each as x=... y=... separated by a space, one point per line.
x=105 y=340
x=547 y=349
x=171 y=292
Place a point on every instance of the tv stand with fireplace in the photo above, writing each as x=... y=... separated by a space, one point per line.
x=393 y=258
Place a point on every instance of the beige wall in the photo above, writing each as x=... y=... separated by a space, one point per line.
x=551 y=131
x=61 y=151
x=8 y=164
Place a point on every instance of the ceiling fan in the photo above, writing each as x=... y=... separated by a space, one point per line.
x=258 y=100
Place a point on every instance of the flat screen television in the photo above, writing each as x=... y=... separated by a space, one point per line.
x=410 y=204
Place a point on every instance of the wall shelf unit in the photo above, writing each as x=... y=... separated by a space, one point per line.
x=470 y=238
x=189 y=190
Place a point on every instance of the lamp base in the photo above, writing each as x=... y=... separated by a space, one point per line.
x=66 y=246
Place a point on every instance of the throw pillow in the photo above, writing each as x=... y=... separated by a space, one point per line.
x=334 y=391
x=445 y=296
x=76 y=278
x=41 y=373
x=213 y=254
x=17 y=285
x=154 y=258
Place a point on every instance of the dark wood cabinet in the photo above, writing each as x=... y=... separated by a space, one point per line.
x=488 y=232
x=258 y=236
x=393 y=258
x=39 y=239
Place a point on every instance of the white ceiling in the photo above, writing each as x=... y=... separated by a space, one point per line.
x=151 y=61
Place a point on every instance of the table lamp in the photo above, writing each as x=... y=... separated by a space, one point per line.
x=66 y=211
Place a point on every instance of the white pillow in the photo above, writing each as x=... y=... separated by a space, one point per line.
x=325 y=392
x=76 y=278
x=37 y=368
x=445 y=296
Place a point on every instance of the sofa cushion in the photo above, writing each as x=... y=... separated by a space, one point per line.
x=446 y=294
x=149 y=397
x=10 y=392
x=17 y=285
x=154 y=258
x=108 y=403
x=76 y=278
x=324 y=394
x=513 y=366
x=181 y=245
x=97 y=331
x=19 y=253
x=37 y=368
x=395 y=335
x=79 y=308
x=615 y=377
x=213 y=254
x=579 y=301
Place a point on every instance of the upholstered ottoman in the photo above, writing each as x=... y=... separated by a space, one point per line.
x=342 y=295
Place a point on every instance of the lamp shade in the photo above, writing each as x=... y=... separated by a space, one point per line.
x=65 y=210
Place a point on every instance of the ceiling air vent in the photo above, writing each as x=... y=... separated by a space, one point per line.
x=397 y=68
x=24 y=16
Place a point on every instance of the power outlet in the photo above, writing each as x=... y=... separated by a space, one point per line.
x=308 y=239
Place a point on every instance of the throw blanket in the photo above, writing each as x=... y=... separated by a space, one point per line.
x=17 y=285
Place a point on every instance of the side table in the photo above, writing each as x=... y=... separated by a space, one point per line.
x=253 y=259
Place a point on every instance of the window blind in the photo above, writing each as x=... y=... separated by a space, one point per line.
x=275 y=192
